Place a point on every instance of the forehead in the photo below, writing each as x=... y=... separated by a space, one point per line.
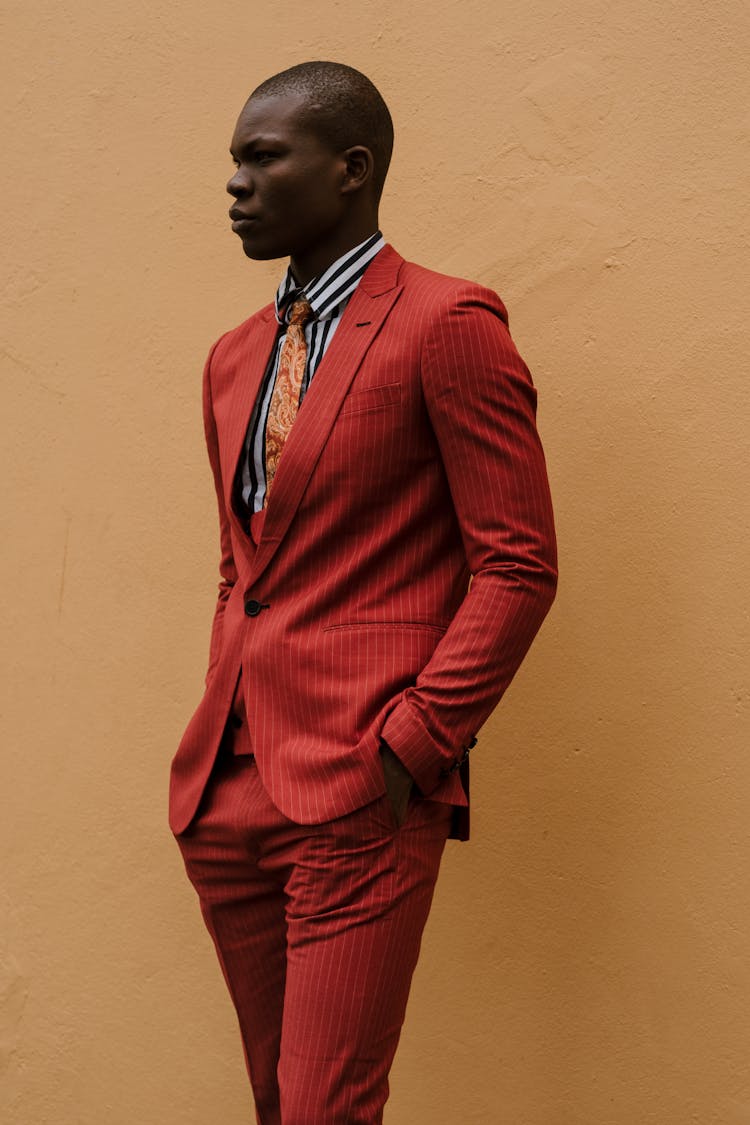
x=281 y=116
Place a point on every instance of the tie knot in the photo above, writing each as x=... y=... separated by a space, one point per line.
x=301 y=311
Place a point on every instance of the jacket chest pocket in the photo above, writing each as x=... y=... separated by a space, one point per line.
x=371 y=399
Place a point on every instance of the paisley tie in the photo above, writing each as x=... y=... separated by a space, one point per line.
x=285 y=398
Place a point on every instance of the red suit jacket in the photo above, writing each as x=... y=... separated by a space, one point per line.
x=413 y=465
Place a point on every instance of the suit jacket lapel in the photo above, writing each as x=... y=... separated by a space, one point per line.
x=252 y=361
x=369 y=306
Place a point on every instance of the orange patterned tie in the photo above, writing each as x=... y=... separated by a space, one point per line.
x=285 y=397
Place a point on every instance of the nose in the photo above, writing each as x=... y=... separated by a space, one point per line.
x=239 y=184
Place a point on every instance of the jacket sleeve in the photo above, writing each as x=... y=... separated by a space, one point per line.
x=227 y=568
x=482 y=406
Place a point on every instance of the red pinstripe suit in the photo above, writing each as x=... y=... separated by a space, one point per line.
x=414 y=463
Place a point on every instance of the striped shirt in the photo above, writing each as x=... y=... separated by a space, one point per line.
x=328 y=295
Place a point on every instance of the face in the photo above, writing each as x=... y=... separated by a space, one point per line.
x=287 y=186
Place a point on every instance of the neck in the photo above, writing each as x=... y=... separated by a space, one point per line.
x=305 y=267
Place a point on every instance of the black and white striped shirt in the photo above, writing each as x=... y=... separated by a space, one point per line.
x=328 y=295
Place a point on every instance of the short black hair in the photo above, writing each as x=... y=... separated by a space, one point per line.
x=346 y=109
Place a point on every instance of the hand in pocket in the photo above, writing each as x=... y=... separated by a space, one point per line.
x=398 y=783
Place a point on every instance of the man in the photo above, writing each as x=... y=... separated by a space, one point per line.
x=373 y=445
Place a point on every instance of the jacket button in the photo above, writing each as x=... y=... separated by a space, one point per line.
x=253 y=608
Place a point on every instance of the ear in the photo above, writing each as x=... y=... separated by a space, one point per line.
x=359 y=168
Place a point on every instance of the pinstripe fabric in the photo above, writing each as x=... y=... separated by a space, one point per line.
x=414 y=463
x=317 y=929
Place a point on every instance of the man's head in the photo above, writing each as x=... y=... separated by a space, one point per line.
x=342 y=107
x=311 y=148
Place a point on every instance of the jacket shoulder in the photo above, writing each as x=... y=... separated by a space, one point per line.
x=244 y=331
x=442 y=292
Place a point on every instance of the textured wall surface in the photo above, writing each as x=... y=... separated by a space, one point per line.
x=586 y=962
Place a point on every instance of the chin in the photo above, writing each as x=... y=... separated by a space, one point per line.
x=263 y=255
x=259 y=253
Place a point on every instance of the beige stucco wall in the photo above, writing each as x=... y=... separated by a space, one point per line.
x=586 y=962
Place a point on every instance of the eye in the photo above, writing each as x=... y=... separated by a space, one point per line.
x=263 y=156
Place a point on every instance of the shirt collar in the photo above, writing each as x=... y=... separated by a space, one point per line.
x=332 y=288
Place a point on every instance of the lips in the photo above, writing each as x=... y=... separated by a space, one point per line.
x=241 y=226
x=240 y=219
x=241 y=223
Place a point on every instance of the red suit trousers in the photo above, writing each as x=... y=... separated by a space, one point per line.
x=317 y=929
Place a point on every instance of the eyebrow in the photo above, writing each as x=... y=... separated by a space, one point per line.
x=252 y=142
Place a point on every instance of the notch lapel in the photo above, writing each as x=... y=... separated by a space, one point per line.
x=363 y=317
x=253 y=352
